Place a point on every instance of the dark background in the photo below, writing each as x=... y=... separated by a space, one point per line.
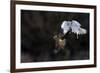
x=38 y=29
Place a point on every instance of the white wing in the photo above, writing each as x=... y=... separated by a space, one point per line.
x=77 y=29
x=82 y=31
x=65 y=26
x=75 y=26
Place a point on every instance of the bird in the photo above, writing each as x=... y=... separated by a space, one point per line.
x=73 y=26
x=67 y=26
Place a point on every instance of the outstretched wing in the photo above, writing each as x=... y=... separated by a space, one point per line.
x=77 y=29
x=65 y=26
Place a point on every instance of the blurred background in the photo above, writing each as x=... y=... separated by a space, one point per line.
x=38 y=29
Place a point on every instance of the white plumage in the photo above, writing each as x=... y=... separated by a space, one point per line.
x=66 y=26
x=75 y=27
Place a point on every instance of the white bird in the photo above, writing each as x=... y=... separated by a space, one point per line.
x=75 y=27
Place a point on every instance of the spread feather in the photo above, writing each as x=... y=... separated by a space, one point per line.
x=75 y=27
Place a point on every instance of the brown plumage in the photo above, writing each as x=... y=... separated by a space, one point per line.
x=59 y=42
